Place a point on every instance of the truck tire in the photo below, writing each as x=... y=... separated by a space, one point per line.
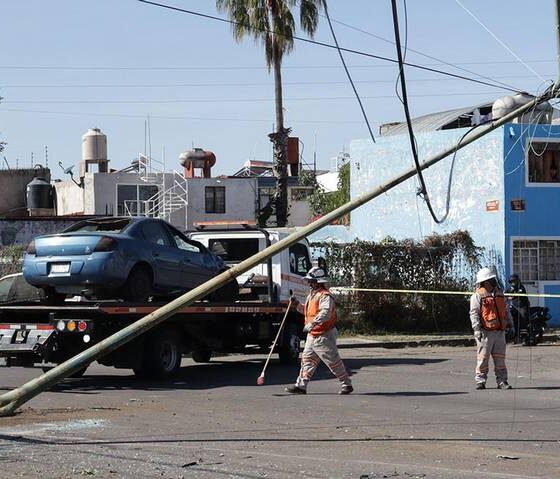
x=138 y=286
x=163 y=356
x=288 y=352
x=202 y=355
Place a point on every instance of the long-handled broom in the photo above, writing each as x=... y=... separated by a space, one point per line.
x=260 y=379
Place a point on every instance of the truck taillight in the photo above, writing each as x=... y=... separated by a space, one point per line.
x=82 y=326
x=31 y=248
x=106 y=244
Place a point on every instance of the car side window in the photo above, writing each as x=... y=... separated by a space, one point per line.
x=155 y=233
x=183 y=243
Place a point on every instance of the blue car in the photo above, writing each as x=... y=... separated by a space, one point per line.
x=120 y=257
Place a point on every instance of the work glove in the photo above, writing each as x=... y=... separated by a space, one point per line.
x=308 y=327
x=478 y=335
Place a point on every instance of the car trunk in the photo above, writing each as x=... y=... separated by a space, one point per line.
x=67 y=245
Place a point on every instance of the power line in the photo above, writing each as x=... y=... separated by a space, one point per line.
x=519 y=59
x=439 y=60
x=348 y=73
x=222 y=67
x=229 y=84
x=423 y=192
x=315 y=42
x=170 y=117
x=240 y=100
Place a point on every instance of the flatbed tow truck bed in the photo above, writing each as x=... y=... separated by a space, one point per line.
x=34 y=334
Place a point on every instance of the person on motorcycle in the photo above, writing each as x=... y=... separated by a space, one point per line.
x=519 y=304
x=490 y=317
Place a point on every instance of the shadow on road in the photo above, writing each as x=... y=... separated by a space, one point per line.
x=217 y=374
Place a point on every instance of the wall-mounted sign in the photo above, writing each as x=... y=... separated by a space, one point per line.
x=493 y=205
x=517 y=205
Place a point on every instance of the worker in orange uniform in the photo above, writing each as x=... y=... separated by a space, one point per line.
x=320 y=317
x=490 y=317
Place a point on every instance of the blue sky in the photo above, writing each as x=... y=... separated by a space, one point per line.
x=69 y=65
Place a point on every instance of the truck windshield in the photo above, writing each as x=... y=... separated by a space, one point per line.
x=234 y=249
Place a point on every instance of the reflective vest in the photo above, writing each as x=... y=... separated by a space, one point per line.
x=311 y=310
x=492 y=310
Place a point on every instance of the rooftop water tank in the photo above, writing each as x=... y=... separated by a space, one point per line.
x=94 y=151
x=540 y=114
x=39 y=196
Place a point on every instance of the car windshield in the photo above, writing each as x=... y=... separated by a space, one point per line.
x=107 y=226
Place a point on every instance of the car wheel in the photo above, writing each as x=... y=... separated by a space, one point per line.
x=202 y=355
x=288 y=352
x=138 y=286
x=163 y=354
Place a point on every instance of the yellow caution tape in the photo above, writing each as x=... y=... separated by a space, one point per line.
x=423 y=291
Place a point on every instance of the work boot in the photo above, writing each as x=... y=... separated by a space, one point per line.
x=346 y=389
x=295 y=390
x=504 y=385
x=480 y=386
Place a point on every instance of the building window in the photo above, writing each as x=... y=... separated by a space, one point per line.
x=543 y=160
x=537 y=260
x=137 y=200
x=266 y=195
x=300 y=194
x=215 y=199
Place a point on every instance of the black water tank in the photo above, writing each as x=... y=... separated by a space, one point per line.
x=39 y=194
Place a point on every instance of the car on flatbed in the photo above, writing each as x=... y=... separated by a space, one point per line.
x=129 y=258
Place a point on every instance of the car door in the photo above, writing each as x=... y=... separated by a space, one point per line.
x=195 y=265
x=166 y=259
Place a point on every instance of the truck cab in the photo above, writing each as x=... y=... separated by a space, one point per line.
x=287 y=268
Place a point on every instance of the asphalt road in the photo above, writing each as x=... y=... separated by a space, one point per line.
x=414 y=414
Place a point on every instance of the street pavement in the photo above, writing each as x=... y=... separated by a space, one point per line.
x=414 y=414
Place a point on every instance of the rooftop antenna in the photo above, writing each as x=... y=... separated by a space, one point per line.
x=46 y=157
x=32 y=162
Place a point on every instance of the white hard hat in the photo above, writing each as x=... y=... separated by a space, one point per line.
x=317 y=274
x=484 y=275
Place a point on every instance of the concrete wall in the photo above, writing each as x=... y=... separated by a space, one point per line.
x=22 y=231
x=13 y=185
x=241 y=200
x=69 y=198
x=400 y=213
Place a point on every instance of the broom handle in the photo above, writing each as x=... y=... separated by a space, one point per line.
x=277 y=334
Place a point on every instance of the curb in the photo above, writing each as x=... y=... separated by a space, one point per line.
x=417 y=343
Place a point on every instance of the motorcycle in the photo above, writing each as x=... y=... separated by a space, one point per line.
x=531 y=334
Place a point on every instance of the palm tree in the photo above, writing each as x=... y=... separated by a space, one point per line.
x=272 y=23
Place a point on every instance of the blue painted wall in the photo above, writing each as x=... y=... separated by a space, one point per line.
x=477 y=178
x=540 y=218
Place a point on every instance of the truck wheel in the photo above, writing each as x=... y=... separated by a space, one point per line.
x=288 y=352
x=138 y=286
x=202 y=355
x=163 y=355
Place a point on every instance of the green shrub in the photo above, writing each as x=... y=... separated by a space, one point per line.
x=438 y=263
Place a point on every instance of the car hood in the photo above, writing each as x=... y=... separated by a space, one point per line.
x=67 y=244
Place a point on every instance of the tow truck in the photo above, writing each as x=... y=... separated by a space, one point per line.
x=36 y=334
